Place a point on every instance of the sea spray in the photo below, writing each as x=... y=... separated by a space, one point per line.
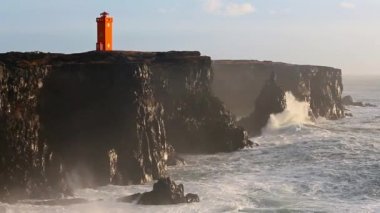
x=296 y=113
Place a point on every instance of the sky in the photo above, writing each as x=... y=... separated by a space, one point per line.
x=339 y=33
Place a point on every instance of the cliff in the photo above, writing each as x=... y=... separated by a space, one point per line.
x=239 y=83
x=94 y=118
x=271 y=100
x=196 y=120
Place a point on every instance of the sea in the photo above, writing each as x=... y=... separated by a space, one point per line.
x=300 y=166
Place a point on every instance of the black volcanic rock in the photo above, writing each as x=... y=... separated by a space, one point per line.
x=196 y=120
x=349 y=101
x=238 y=85
x=105 y=122
x=174 y=158
x=165 y=192
x=271 y=100
x=89 y=119
x=28 y=164
x=96 y=123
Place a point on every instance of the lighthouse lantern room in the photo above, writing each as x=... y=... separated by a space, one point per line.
x=104 y=42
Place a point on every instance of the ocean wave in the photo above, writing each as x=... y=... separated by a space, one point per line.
x=294 y=116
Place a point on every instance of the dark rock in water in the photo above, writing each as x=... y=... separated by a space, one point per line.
x=174 y=158
x=165 y=192
x=254 y=143
x=131 y=198
x=238 y=83
x=96 y=118
x=270 y=101
x=349 y=101
x=192 y=198
x=347 y=114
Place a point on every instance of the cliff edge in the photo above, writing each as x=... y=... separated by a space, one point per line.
x=238 y=84
x=89 y=119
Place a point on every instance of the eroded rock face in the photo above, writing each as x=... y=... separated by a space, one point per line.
x=79 y=120
x=196 y=120
x=271 y=100
x=238 y=84
x=95 y=118
x=105 y=122
x=165 y=192
x=28 y=166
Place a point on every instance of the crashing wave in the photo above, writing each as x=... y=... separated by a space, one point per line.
x=296 y=114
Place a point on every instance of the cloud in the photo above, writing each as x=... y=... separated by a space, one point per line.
x=213 y=6
x=347 y=5
x=222 y=7
x=239 y=9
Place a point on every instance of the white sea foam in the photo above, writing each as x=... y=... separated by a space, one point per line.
x=296 y=113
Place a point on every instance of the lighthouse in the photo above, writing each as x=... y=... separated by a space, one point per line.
x=104 y=23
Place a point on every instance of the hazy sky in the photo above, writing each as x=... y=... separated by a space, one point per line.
x=339 y=33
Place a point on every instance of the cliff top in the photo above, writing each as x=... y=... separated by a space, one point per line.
x=38 y=58
x=266 y=63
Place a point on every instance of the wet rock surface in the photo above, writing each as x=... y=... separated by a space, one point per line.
x=165 y=192
x=174 y=158
x=239 y=83
x=90 y=119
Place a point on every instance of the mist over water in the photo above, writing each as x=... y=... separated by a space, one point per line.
x=325 y=166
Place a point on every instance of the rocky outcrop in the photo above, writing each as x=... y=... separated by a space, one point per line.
x=165 y=192
x=72 y=122
x=271 y=100
x=238 y=84
x=105 y=122
x=28 y=166
x=349 y=101
x=90 y=119
x=196 y=121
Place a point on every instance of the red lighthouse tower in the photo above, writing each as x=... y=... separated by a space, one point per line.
x=104 y=42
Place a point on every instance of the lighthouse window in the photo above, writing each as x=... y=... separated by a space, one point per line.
x=108 y=24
